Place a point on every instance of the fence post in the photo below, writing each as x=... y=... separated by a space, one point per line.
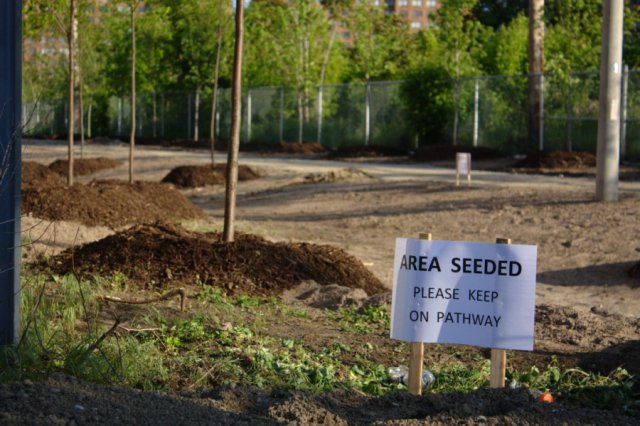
x=476 y=96
x=188 y=115
x=367 y=114
x=541 y=112
x=119 y=116
x=162 y=115
x=155 y=116
x=10 y=142
x=248 y=116
x=455 y=111
x=281 y=114
x=623 y=113
x=319 y=114
x=570 y=115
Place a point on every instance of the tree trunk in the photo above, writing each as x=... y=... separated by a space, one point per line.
x=214 y=97
x=234 y=143
x=132 y=134
x=71 y=125
x=536 y=68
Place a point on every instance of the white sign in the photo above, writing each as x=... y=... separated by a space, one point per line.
x=463 y=163
x=477 y=294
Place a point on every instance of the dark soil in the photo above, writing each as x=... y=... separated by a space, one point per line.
x=366 y=151
x=108 y=203
x=36 y=174
x=66 y=400
x=84 y=166
x=300 y=148
x=558 y=160
x=164 y=255
x=198 y=176
x=448 y=152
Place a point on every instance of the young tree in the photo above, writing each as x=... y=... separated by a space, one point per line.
x=234 y=144
x=133 y=6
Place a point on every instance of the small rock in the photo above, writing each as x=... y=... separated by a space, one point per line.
x=567 y=244
x=78 y=407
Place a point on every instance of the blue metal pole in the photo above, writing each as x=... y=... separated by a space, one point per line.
x=10 y=143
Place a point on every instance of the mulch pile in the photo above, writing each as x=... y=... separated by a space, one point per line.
x=163 y=255
x=108 y=203
x=198 y=176
x=84 y=166
x=448 y=152
x=559 y=160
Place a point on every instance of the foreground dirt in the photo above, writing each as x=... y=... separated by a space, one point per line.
x=65 y=400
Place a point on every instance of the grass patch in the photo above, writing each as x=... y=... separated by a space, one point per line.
x=224 y=340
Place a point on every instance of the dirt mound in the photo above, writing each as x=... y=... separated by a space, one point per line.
x=160 y=254
x=84 y=166
x=109 y=203
x=342 y=175
x=448 y=152
x=559 y=160
x=36 y=174
x=366 y=151
x=198 y=176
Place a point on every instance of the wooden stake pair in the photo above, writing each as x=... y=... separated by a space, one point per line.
x=416 y=356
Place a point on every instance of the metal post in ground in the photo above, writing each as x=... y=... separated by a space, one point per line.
x=608 y=154
x=476 y=99
x=10 y=133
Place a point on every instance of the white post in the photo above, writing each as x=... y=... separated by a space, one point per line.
x=319 y=114
x=608 y=154
x=476 y=98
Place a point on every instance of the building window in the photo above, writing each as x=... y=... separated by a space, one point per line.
x=375 y=2
x=416 y=24
x=403 y=2
x=416 y=13
x=431 y=3
x=416 y=3
x=346 y=34
x=403 y=13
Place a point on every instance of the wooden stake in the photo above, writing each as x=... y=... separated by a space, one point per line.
x=499 y=356
x=416 y=357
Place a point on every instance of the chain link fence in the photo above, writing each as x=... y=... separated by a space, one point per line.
x=487 y=112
